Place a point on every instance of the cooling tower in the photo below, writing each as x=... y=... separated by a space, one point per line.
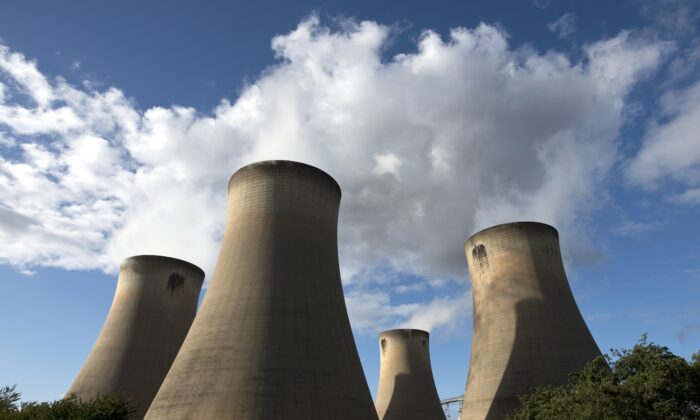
x=153 y=307
x=406 y=386
x=528 y=330
x=272 y=339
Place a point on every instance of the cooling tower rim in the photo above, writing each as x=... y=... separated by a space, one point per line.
x=148 y=258
x=510 y=225
x=404 y=331
x=289 y=163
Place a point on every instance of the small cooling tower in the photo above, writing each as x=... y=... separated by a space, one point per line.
x=406 y=386
x=153 y=307
x=528 y=330
x=272 y=339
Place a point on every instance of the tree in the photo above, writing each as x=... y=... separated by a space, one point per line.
x=646 y=382
x=9 y=400
x=104 y=407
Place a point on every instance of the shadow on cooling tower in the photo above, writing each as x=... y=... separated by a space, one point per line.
x=522 y=374
x=396 y=410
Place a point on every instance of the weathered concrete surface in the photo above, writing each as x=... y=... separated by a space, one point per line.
x=528 y=330
x=406 y=386
x=153 y=308
x=272 y=339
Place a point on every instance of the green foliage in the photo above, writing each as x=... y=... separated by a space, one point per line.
x=646 y=382
x=9 y=399
x=105 y=407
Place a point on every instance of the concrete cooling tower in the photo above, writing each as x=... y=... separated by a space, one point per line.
x=528 y=330
x=272 y=339
x=406 y=386
x=153 y=307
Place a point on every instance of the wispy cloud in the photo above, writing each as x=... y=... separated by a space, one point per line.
x=599 y=317
x=632 y=228
x=672 y=17
x=541 y=4
x=564 y=26
x=690 y=196
x=671 y=150
x=411 y=288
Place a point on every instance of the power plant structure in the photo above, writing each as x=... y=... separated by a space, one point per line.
x=272 y=339
x=153 y=307
x=528 y=330
x=406 y=385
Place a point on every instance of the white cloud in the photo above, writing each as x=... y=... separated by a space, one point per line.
x=372 y=311
x=444 y=312
x=671 y=149
x=621 y=61
x=7 y=142
x=387 y=163
x=428 y=147
x=691 y=196
x=564 y=26
x=24 y=73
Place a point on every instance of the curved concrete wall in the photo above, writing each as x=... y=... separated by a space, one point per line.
x=528 y=330
x=153 y=308
x=406 y=386
x=272 y=339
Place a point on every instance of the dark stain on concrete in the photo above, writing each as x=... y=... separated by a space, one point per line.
x=479 y=252
x=176 y=281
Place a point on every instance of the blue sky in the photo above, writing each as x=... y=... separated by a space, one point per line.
x=120 y=123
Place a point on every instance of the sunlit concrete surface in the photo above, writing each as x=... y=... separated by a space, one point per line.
x=406 y=385
x=153 y=308
x=272 y=339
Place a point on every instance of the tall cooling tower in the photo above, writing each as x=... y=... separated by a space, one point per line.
x=528 y=330
x=406 y=386
x=272 y=339
x=153 y=307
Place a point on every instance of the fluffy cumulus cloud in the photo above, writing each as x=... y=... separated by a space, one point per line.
x=428 y=146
